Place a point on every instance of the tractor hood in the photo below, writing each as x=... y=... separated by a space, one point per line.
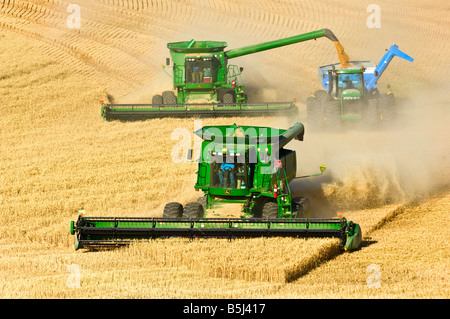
x=351 y=94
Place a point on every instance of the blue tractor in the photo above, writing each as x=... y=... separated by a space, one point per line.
x=351 y=93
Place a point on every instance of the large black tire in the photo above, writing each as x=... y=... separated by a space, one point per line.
x=371 y=114
x=157 y=99
x=301 y=207
x=321 y=96
x=314 y=113
x=333 y=118
x=258 y=206
x=193 y=210
x=228 y=98
x=169 y=98
x=173 y=210
x=202 y=201
x=270 y=210
x=386 y=106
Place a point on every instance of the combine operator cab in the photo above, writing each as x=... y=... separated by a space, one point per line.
x=228 y=171
x=201 y=70
x=250 y=166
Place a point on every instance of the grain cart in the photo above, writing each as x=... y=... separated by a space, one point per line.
x=258 y=181
x=351 y=93
x=206 y=84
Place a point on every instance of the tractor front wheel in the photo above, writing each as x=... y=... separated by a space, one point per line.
x=314 y=113
x=333 y=115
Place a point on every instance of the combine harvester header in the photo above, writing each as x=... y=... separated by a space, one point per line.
x=207 y=85
x=245 y=165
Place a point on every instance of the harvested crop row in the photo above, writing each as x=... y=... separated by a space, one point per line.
x=274 y=260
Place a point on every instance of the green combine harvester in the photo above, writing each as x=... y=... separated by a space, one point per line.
x=242 y=165
x=206 y=84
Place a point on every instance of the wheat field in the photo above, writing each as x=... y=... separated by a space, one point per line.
x=58 y=157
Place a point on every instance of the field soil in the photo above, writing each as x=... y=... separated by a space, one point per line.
x=57 y=156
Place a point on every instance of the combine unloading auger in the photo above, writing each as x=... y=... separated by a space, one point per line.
x=244 y=165
x=207 y=85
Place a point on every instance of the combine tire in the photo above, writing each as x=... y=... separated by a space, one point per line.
x=157 y=99
x=270 y=210
x=169 y=98
x=333 y=115
x=173 y=210
x=301 y=207
x=202 y=201
x=228 y=98
x=193 y=210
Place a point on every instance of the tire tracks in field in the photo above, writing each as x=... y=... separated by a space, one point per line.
x=113 y=49
x=107 y=52
x=329 y=251
x=121 y=41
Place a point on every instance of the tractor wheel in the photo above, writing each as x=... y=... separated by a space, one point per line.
x=371 y=115
x=314 y=113
x=169 y=98
x=173 y=210
x=193 y=210
x=321 y=96
x=386 y=105
x=301 y=207
x=270 y=210
x=157 y=99
x=228 y=98
x=333 y=115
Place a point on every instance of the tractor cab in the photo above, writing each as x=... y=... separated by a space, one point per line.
x=348 y=87
x=348 y=84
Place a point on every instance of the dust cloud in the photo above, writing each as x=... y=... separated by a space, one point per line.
x=366 y=169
